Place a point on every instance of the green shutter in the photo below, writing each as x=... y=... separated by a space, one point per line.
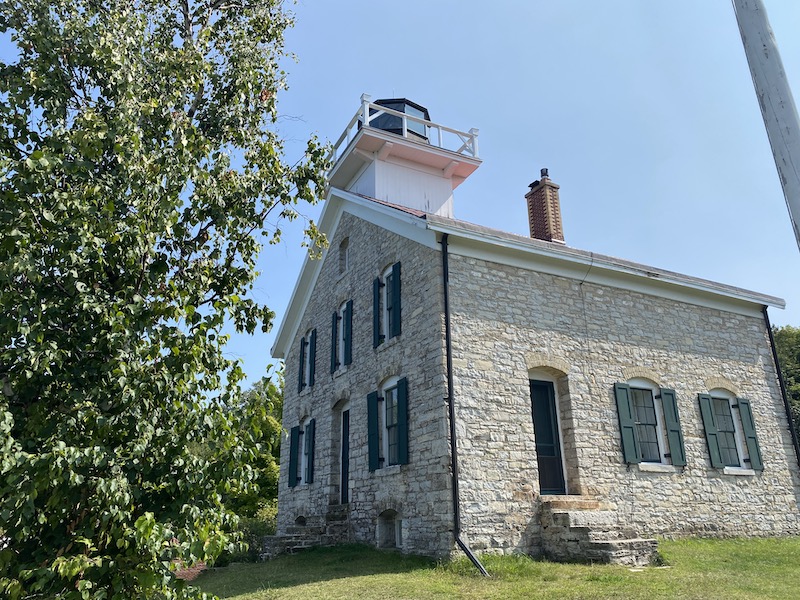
x=300 y=382
x=312 y=357
x=334 y=340
x=710 y=425
x=672 y=422
x=395 y=292
x=402 y=421
x=309 y=442
x=294 y=453
x=348 y=332
x=373 y=435
x=627 y=424
x=377 y=338
x=749 y=430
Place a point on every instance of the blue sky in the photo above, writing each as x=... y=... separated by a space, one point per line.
x=643 y=111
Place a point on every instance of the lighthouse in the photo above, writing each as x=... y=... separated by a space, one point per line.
x=391 y=151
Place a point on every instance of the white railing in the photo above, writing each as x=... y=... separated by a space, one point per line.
x=453 y=140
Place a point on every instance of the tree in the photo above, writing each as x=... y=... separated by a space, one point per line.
x=138 y=163
x=259 y=419
x=787 y=344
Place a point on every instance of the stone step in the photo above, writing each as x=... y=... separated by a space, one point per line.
x=305 y=530
x=634 y=552
x=580 y=518
x=335 y=516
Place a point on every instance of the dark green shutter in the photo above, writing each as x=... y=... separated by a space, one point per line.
x=395 y=292
x=672 y=423
x=294 y=453
x=627 y=424
x=402 y=421
x=749 y=430
x=309 y=442
x=312 y=357
x=373 y=435
x=300 y=380
x=348 y=332
x=377 y=338
x=334 y=341
x=710 y=425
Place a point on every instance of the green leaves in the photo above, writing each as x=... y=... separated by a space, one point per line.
x=137 y=163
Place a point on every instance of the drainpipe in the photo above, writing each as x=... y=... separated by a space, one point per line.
x=786 y=405
x=452 y=413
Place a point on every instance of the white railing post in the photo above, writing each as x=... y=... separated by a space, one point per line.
x=366 y=99
x=474 y=133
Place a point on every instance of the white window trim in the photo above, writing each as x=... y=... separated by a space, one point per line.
x=645 y=384
x=386 y=326
x=738 y=434
x=307 y=361
x=302 y=458
x=340 y=314
x=383 y=432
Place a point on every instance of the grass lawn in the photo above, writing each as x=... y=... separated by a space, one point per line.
x=695 y=569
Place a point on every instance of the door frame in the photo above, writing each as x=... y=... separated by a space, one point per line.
x=344 y=461
x=538 y=376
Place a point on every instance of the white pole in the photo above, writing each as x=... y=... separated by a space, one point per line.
x=775 y=98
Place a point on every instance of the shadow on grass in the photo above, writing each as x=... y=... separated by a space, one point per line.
x=309 y=566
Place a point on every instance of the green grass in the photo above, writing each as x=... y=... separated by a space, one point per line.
x=706 y=569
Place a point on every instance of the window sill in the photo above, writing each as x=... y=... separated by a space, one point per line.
x=649 y=467
x=390 y=470
x=387 y=343
x=340 y=370
x=739 y=471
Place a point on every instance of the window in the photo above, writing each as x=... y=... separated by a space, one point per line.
x=308 y=359
x=342 y=336
x=387 y=424
x=344 y=255
x=730 y=431
x=649 y=423
x=301 y=453
x=386 y=311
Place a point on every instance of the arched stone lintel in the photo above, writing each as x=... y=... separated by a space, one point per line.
x=342 y=396
x=629 y=373
x=539 y=360
x=721 y=382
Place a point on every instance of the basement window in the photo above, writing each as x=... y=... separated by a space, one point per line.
x=390 y=530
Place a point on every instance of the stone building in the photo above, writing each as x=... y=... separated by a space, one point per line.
x=450 y=385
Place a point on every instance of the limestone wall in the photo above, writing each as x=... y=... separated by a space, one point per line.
x=507 y=321
x=420 y=490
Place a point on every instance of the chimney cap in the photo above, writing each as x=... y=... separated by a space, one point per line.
x=544 y=174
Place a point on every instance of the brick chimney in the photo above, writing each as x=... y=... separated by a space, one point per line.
x=544 y=210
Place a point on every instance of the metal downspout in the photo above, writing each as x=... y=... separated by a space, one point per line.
x=452 y=413
x=786 y=405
